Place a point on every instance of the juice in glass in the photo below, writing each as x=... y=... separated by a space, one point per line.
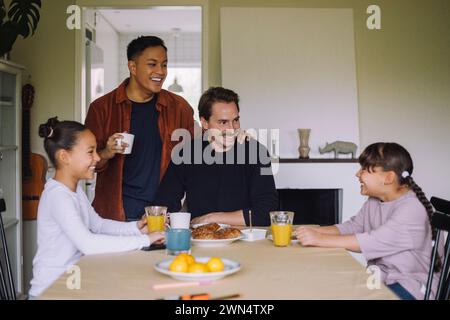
x=155 y=223
x=281 y=234
x=281 y=226
x=156 y=218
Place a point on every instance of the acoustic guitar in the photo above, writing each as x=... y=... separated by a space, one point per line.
x=34 y=166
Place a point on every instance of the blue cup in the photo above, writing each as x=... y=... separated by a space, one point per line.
x=178 y=241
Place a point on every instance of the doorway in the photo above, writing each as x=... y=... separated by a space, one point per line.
x=109 y=30
x=106 y=33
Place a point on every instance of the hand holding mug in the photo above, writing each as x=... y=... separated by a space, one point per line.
x=112 y=147
x=126 y=141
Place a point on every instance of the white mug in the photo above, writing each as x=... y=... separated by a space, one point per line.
x=127 y=138
x=180 y=220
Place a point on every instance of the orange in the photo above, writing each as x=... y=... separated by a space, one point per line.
x=178 y=265
x=197 y=267
x=215 y=264
x=187 y=257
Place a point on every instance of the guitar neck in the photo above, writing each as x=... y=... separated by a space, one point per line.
x=26 y=149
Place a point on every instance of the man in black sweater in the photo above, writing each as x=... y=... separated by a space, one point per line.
x=222 y=179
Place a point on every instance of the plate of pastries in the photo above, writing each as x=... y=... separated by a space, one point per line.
x=214 y=235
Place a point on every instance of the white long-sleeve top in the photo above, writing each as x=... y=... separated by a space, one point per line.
x=68 y=227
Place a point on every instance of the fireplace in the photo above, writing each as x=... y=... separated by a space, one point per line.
x=335 y=178
x=312 y=206
x=319 y=174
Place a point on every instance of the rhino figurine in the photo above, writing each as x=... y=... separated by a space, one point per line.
x=340 y=147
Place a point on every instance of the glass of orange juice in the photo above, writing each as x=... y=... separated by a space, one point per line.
x=156 y=218
x=281 y=226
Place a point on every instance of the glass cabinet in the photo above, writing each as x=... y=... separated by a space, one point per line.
x=10 y=164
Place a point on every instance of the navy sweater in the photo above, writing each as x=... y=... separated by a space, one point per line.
x=239 y=179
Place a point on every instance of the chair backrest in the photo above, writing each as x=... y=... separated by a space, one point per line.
x=441 y=222
x=7 y=288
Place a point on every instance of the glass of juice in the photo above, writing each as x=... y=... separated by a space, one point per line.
x=156 y=218
x=281 y=226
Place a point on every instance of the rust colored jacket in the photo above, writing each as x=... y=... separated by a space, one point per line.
x=112 y=114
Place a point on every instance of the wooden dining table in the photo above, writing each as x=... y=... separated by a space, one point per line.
x=267 y=272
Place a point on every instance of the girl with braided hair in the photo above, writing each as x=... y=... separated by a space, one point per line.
x=392 y=230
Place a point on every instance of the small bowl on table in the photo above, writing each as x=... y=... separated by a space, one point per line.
x=254 y=234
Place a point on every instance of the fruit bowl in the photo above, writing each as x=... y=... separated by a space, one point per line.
x=230 y=267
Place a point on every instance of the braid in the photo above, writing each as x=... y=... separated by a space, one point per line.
x=430 y=211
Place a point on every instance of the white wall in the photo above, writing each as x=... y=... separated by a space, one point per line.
x=107 y=38
x=404 y=89
x=306 y=80
x=48 y=57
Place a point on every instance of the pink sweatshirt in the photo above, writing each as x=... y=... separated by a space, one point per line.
x=396 y=237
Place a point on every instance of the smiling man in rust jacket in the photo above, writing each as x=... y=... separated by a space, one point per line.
x=127 y=183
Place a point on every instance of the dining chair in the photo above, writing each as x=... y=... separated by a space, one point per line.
x=441 y=222
x=7 y=288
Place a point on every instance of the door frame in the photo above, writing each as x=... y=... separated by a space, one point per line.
x=80 y=107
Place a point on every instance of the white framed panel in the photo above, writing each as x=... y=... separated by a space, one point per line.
x=293 y=68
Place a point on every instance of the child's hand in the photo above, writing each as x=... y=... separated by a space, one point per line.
x=308 y=236
x=142 y=225
x=157 y=237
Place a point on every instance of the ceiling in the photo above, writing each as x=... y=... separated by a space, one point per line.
x=155 y=19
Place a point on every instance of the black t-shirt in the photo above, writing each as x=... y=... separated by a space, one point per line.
x=221 y=186
x=142 y=167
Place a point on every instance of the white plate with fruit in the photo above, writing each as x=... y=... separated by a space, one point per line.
x=188 y=268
